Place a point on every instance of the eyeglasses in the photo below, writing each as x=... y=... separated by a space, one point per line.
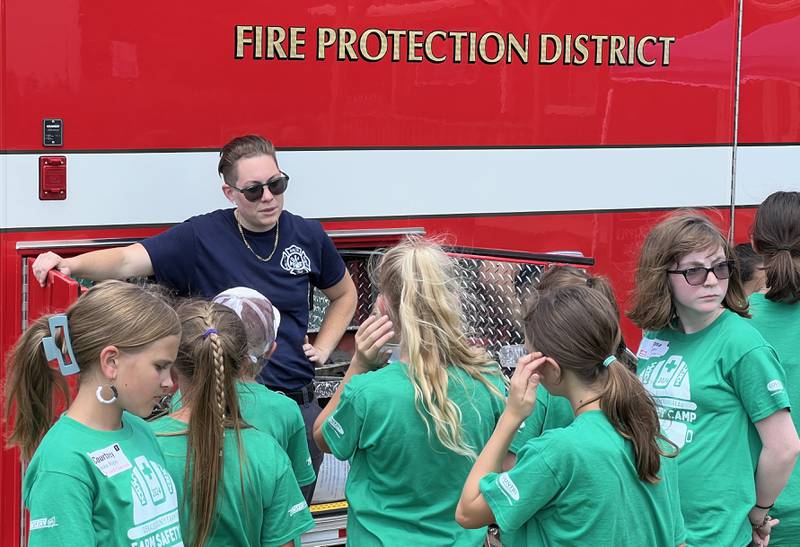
x=697 y=275
x=276 y=186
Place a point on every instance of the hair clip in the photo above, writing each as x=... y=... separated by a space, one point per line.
x=53 y=352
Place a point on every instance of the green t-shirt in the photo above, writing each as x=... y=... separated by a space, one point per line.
x=403 y=485
x=272 y=510
x=550 y=412
x=710 y=387
x=578 y=485
x=90 y=487
x=278 y=415
x=779 y=324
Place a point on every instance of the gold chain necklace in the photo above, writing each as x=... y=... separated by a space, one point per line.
x=274 y=246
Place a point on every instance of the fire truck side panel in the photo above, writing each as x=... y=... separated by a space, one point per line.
x=533 y=156
x=124 y=79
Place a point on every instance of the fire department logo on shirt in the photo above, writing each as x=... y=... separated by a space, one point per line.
x=295 y=261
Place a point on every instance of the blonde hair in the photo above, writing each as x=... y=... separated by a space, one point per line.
x=416 y=280
x=112 y=313
x=681 y=233
x=212 y=349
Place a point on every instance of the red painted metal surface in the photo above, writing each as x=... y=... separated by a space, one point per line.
x=87 y=66
x=123 y=79
x=770 y=80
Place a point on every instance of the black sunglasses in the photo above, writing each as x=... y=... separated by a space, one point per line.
x=276 y=186
x=697 y=275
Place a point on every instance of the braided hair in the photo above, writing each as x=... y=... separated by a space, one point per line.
x=212 y=350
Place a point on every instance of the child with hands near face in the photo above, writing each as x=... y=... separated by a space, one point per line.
x=412 y=428
x=584 y=483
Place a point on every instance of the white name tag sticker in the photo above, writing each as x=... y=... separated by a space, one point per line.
x=658 y=348
x=644 y=349
x=110 y=460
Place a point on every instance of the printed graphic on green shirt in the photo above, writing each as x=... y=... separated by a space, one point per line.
x=109 y=488
x=668 y=381
x=710 y=388
x=155 y=507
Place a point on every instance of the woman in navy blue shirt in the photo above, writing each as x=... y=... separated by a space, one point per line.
x=256 y=244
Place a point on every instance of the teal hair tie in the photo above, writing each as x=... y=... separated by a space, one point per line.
x=610 y=359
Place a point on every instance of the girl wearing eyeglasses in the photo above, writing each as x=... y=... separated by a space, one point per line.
x=776 y=315
x=718 y=385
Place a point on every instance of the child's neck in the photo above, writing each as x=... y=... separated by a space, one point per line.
x=87 y=410
x=581 y=397
x=692 y=322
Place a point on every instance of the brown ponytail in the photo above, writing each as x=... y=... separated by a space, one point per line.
x=112 y=313
x=30 y=389
x=579 y=328
x=559 y=276
x=213 y=347
x=776 y=236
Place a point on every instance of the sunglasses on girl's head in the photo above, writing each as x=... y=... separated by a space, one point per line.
x=698 y=274
x=276 y=186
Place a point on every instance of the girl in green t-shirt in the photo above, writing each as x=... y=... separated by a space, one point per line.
x=97 y=476
x=776 y=315
x=718 y=385
x=602 y=480
x=412 y=428
x=246 y=494
x=553 y=412
x=262 y=408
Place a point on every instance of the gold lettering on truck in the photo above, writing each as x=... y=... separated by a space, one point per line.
x=278 y=43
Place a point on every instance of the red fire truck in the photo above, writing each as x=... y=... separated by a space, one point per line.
x=517 y=126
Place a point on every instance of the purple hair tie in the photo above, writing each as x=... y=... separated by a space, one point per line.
x=209 y=331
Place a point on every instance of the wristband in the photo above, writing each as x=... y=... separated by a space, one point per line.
x=765 y=520
x=767 y=508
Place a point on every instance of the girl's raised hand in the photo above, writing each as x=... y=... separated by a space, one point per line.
x=371 y=336
x=522 y=389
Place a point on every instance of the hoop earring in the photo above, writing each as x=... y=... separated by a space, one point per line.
x=99 y=394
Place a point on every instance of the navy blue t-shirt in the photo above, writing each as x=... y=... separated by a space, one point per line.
x=205 y=255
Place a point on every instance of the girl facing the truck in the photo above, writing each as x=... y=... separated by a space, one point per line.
x=412 y=428
x=551 y=411
x=719 y=387
x=776 y=315
x=581 y=484
x=97 y=475
x=236 y=484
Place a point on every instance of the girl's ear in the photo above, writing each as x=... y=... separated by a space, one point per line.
x=551 y=370
x=108 y=362
x=271 y=350
x=753 y=245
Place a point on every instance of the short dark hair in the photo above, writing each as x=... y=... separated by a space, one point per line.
x=247 y=146
x=748 y=261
